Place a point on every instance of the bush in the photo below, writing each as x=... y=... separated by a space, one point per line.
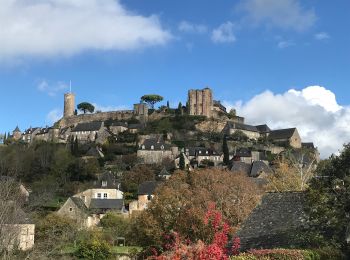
x=94 y=248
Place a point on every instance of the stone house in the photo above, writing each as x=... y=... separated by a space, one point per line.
x=155 y=150
x=198 y=154
x=257 y=169
x=17 y=231
x=47 y=134
x=88 y=132
x=29 y=135
x=288 y=136
x=118 y=127
x=164 y=174
x=145 y=193
x=135 y=128
x=251 y=131
x=16 y=134
x=90 y=206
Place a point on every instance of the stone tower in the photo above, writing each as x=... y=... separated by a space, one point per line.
x=16 y=134
x=69 y=104
x=141 y=111
x=200 y=102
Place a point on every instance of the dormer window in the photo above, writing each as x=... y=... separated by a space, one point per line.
x=143 y=147
x=152 y=147
x=200 y=152
x=104 y=183
x=162 y=147
x=206 y=152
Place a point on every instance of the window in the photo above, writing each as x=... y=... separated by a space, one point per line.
x=104 y=183
x=152 y=147
x=162 y=147
x=99 y=195
x=143 y=147
x=105 y=195
x=71 y=209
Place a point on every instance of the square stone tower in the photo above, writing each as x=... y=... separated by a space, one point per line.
x=200 y=102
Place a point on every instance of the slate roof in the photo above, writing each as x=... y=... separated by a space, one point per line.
x=109 y=178
x=30 y=130
x=135 y=126
x=164 y=172
x=124 y=124
x=17 y=129
x=259 y=167
x=88 y=127
x=79 y=203
x=217 y=103
x=241 y=167
x=201 y=151
x=243 y=152
x=157 y=143
x=282 y=133
x=43 y=131
x=148 y=187
x=274 y=221
x=239 y=126
x=308 y=145
x=263 y=128
x=115 y=204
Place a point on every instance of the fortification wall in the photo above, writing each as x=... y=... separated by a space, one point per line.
x=102 y=116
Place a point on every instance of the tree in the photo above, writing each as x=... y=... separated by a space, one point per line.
x=115 y=224
x=179 y=110
x=180 y=205
x=328 y=200
x=239 y=136
x=293 y=170
x=151 y=99
x=86 y=107
x=225 y=150
x=182 y=163
x=168 y=104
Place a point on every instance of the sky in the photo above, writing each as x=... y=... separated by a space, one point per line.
x=281 y=62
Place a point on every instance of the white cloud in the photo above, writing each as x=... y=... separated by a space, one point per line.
x=322 y=36
x=188 y=27
x=52 y=89
x=285 y=14
x=224 y=33
x=53 y=116
x=313 y=110
x=284 y=44
x=66 y=27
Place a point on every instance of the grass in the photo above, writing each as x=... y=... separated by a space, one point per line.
x=115 y=250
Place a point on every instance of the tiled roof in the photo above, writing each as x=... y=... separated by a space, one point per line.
x=17 y=129
x=79 y=203
x=259 y=167
x=239 y=126
x=263 y=128
x=109 y=178
x=156 y=143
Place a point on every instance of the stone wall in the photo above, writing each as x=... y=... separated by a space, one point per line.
x=154 y=157
x=103 y=116
x=19 y=236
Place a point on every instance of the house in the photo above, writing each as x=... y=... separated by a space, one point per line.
x=242 y=154
x=29 y=135
x=155 y=150
x=16 y=134
x=90 y=206
x=250 y=131
x=135 y=128
x=146 y=192
x=17 y=231
x=88 y=132
x=199 y=154
x=288 y=136
x=275 y=222
x=11 y=182
x=164 y=174
x=118 y=127
x=264 y=130
x=256 y=169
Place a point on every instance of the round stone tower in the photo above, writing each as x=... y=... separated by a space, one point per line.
x=69 y=104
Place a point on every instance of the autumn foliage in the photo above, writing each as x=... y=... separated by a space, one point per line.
x=176 y=247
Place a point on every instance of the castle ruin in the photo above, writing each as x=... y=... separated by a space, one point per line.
x=69 y=105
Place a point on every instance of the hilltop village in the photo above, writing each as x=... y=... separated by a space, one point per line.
x=116 y=162
x=155 y=136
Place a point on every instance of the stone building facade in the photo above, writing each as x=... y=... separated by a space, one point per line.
x=200 y=102
x=18 y=236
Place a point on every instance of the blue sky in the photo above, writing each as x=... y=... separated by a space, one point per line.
x=116 y=51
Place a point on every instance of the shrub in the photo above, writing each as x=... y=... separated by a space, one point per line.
x=94 y=248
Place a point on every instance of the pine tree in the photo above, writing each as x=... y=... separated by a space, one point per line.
x=179 y=109
x=167 y=104
x=225 y=151
x=4 y=139
x=182 y=163
x=76 y=147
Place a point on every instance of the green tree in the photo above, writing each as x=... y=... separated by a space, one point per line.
x=94 y=248
x=179 y=110
x=182 y=163
x=115 y=224
x=167 y=104
x=86 y=107
x=328 y=200
x=225 y=151
x=239 y=136
x=151 y=99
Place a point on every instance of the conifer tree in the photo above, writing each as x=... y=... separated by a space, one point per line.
x=225 y=151
x=167 y=104
x=182 y=163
